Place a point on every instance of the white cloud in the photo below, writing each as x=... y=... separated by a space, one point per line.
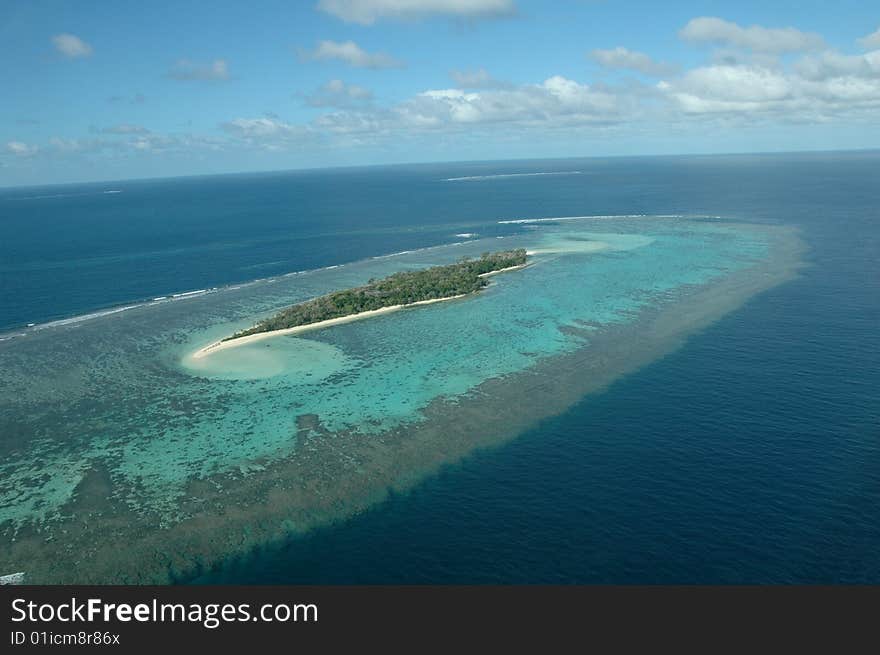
x=870 y=42
x=142 y=143
x=757 y=38
x=367 y=12
x=622 y=58
x=556 y=102
x=476 y=79
x=266 y=133
x=68 y=146
x=350 y=53
x=815 y=88
x=157 y=143
x=167 y=143
x=20 y=149
x=337 y=93
x=728 y=88
x=123 y=145
x=71 y=46
x=258 y=127
x=184 y=69
x=818 y=89
x=373 y=124
x=92 y=146
x=743 y=83
x=832 y=64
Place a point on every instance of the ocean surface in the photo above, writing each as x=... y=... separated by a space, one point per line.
x=682 y=388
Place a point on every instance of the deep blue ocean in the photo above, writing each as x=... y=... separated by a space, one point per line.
x=750 y=455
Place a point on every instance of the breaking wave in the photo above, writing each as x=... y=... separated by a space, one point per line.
x=475 y=178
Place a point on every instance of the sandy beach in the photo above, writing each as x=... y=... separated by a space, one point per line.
x=504 y=270
x=240 y=341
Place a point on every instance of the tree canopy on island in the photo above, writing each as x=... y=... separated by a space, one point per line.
x=400 y=288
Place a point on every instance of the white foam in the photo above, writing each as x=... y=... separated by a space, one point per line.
x=409 y=252
x=84 y=317
x=12 y=578
x=69 y=195
x=184 y=295
x=594 y=216
x=73 y=320
x=474 y=178
x=393 y=254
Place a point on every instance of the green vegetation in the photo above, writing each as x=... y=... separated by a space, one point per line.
x=399 y=289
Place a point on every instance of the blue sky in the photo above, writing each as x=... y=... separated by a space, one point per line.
x=113 y=90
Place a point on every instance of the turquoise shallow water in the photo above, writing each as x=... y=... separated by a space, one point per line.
x=125 y=398
x=733 y=438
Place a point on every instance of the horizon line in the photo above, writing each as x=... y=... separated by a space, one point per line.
x=341 y=167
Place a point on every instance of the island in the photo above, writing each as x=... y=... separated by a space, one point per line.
x=397 y=291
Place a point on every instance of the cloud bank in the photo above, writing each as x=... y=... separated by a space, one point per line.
x=753 y=76
x=870 y=42
x=760 y=39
